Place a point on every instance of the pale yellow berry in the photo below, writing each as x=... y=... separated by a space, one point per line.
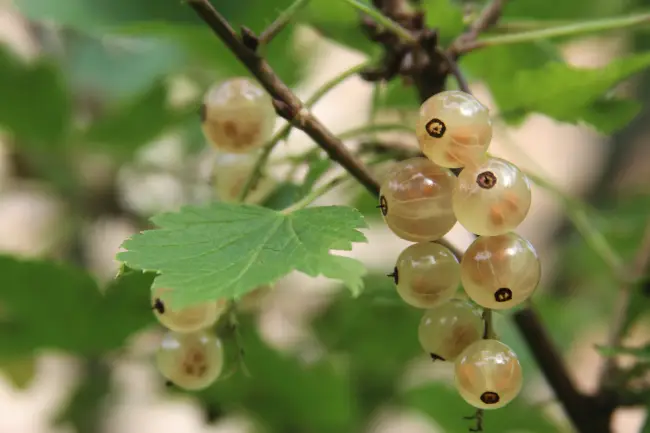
x=427 y=274
x=189 y=319
x=454 y=129
x=445 y=331
x=237 y=115
x=488 y=374
x=499 y=272
x=231 y=172
x=190 y=361
x=415 y=200
x=492 y=198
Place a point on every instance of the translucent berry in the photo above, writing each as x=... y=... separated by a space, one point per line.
x=427 y=274
x=188 y=319
x=415 y=200
x=454 y=129
x=231 y=172
x=190 y=361
x=237 y=115
x=500 y=272
x=492 y=198
x=445 y=331
x=488 y=374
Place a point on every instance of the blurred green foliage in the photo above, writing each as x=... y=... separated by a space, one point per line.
x=113 y=63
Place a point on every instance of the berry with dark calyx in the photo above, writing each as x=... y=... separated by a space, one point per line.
x=415 y=200
x=454 y=129
x=190 y=361
x=500 y=272
x=488 y=374
x=492 y=198
x=188 y=319
x=427 y=274
x=445 y=331
x=237 y=115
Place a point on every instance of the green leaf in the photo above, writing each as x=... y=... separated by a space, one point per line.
x=339 y=22
x=225 y=250
x=517 y=417
x=642 y=352
x=574 y=9
x=571 y=94
x=35 y=106
x=446 y=16
x=125 y=128
x=319 y=398
x=114 y=68
x=19 y=370
x=51 y=305
x=284 y=195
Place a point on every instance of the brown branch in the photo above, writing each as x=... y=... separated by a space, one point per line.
x=586 y=414
x=622 y=308
x=280 y=92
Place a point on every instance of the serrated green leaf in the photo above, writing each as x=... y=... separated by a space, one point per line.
x=225 y=250
x=35 y=104
x=51 y=305
x=516 y=417
x=127 y=127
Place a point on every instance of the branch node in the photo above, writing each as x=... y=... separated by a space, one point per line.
x=249 y=38
x=296 y=116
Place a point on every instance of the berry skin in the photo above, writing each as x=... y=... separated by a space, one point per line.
x=492 y=198
x=237 y=115
x=454 y=129
x=445 y=331
x=427 y=274
x=499 y=272
x=190 y=319
x=415 y=200
x=488 y=374
x=190 y=361
x=231 y=172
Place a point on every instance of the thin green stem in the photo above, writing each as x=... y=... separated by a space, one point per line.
x=384 y=21
x=285 y=130
x=489 y=324
x=282 y=20
x=369 y=129
x=314 y=194
x=576 y=29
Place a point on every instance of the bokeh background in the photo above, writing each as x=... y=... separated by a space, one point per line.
x=126 y=78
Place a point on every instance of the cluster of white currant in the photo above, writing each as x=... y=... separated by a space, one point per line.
x=237 y=118
x=421 y=200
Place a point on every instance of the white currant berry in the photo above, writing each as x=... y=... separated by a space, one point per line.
x=415 y=200
x=237 y=115
x=189 y=319
x=488 y=374
x=492 y=198
x=454 y=129
x=230 y=174
x=499 y=272
x=190 y=361
x=427 y=274
x=445 y=331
